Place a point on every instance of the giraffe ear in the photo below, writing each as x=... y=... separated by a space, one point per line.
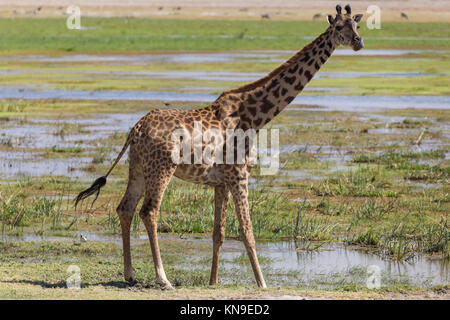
x=330 y=19
x=357 y=18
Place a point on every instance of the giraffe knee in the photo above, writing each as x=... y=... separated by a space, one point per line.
x=122 y=213
x=143 y=214
x=121 y=209
x=148 y=209
x=126 y=206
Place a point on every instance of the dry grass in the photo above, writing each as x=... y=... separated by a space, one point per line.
x=418 y=11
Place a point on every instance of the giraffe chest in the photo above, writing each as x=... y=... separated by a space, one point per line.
x=200 y=173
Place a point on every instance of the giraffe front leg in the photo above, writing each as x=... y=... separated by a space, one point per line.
x=149 y=215
x=239 y=190
x=221 y=196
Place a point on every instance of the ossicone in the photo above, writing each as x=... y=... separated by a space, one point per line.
x=348 y=9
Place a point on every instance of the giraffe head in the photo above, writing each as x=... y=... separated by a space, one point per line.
x=344 y=28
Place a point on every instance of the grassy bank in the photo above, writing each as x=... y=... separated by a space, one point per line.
x=403 y=75
x=40 y=271
x=50 y=35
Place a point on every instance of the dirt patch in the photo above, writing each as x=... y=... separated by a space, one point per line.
x=416 y=10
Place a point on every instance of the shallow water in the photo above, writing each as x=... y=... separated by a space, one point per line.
x=292 y=175
x=340 y=75
x=336 y=261
x=39 y=136
x=16 y=167
x=212 y=57
x=205 y=75
x=29 y=141
x=39 y=133
x=290 y=262
x=329 y=102
x=219 y=57
x=394 y=131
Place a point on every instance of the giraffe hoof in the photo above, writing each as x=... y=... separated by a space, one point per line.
x=212 y=282
x=262 y=285
x=166 y=286
x=131 y=280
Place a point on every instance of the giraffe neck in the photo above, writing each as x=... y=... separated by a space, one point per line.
x=263 y=99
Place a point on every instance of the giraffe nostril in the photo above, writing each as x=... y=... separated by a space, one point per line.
x=357 y=45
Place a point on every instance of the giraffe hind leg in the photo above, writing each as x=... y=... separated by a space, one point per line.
x=239 y=190
x=126 y=211
x=156 y=180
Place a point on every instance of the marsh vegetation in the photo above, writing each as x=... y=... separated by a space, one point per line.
x=369 y=182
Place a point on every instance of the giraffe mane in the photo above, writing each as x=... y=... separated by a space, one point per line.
x=260 y=82
x=257 y=83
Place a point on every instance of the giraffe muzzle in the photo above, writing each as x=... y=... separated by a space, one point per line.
x=358 y=45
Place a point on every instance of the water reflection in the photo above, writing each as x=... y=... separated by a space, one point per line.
x=291 y=262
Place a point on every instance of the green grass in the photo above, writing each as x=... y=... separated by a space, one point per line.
x=387 y=86
x=407 y=163
x=138 y=34
x=363 y=182
x=56 y=149
x=421 y=85
x=391 y=156
x=434 y=62
x=189 y=208
x=121 y=35
x=403 y=242
x=18 y=211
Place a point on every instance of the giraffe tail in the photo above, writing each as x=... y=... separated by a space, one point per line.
x=100 y=182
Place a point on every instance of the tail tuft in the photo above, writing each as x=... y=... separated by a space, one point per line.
x=95 y=188
x=100 y=182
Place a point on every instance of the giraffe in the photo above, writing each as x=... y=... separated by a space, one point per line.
x=251 y=106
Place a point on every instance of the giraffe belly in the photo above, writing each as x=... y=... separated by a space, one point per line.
x=203 y=174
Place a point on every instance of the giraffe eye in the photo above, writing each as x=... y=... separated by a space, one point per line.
x=357 y=27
